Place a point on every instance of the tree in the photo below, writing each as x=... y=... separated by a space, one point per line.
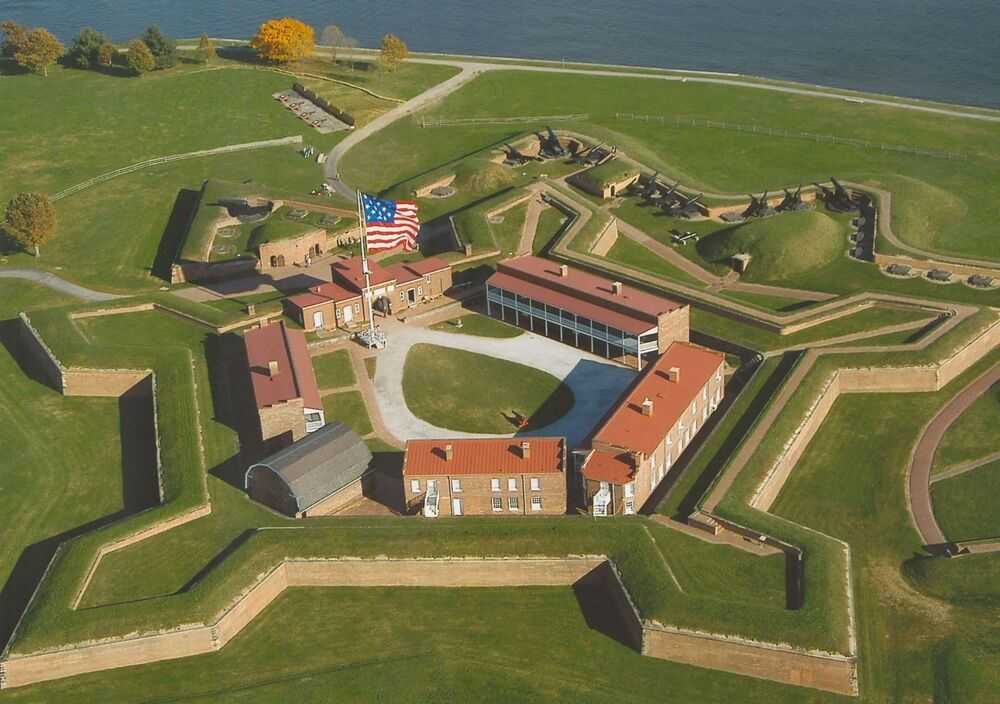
x=39 y=50
x=163 y=48
x=394 y=52
x=106 y=55
x=15 y=36
x=206 y=49
x=31 y=220
x=284 y=40
x=334 y=37
x=83 y=53
x=139 y=58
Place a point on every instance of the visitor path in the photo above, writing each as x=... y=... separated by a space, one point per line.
x=57 y=284
x=919 y=481
x=963 y=467
x=596 y=383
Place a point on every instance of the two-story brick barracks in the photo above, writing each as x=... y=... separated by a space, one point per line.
x=485 y=476
x=590 y=312
x=284 y=383
x=635 y=447
x=340 y=303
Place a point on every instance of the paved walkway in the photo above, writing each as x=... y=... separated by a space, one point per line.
x=57 y=284
x=918 y=475
x=963 y=467
x=596 y=383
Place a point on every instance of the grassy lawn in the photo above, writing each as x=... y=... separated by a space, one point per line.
x=334 y=369
x=480 y=326
x=630 y=253
x=532 y=644
x=691 y=155
x=974 y=434
x=474 y=393
x=966 y=505
x=507 y=234
x=349 y=408
x=550 y=222
x=63 y=464
x=852 y=486
x=760 y=339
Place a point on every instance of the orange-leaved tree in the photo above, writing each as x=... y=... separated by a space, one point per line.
x=284 y=40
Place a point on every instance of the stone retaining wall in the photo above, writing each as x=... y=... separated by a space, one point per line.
x=606 y=239
x=33 y=344
x=825 y=672
x=110 y=383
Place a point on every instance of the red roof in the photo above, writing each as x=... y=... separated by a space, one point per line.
x=484 y=456
x=349 y=271
x=322 y=293
x=295 y=377
x=603 y=466
x=629 y=429
x=404 y=273
x=584 y=294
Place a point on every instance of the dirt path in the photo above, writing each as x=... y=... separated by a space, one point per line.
x=918 y=474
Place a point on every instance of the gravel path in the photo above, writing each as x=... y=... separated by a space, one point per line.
x=596 y=383
x=56 y=284
x=921 y=505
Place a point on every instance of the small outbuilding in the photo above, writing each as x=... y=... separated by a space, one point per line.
x=315 y=476
x=610 y=179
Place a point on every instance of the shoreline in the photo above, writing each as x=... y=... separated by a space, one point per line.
x=989 y=114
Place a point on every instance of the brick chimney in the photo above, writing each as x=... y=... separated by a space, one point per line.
x=525 y=449
x=616 y=288
x=674 y=374
x=449 y=452
x=563 y=270
x=272 y=368
x=647 y=406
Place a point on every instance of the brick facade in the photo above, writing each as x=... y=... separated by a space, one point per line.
x=292 y=251
x=285 y=420
x=477 y=493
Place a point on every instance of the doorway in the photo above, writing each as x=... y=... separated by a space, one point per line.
x=456 y=507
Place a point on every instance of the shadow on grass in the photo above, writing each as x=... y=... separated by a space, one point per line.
x=30 y=366
x=174 y=233
x=596 y=601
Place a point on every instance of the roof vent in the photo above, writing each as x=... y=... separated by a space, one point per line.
x=674 y=374
x=616 y=288
x=563 y=270
x=525 y=449
x=272 y=368
x=647 y=406
x=449 y=452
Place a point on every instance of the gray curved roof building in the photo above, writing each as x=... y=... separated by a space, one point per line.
x=312 y=470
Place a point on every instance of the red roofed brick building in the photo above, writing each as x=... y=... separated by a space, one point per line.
x=590 y=312
x=486 y=476
x=284 y=383
x=635 y=447
x=340 y=304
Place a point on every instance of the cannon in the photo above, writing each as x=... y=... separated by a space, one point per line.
x=550 y=146
x=838 y=199
x=758 y=208
x=676 y=204
x=792 y=201
x=650 y=190
x=514 y=157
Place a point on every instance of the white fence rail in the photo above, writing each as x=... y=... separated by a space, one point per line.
x=297 y=139
x=457 y=122
x=789 y=134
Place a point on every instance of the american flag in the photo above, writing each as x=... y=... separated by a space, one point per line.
x=389 y=224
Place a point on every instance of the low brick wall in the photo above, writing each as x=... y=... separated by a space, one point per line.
x=337 y=500
x=825 y=672
x=101 y=382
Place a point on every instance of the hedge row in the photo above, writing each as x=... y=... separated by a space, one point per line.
x=322 y=102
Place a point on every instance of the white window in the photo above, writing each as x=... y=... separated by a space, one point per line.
x=670 y=441
x=513 y=504
x=704 y=413
x=536 y=484
x=420 y=290
x=512 y=484
x=694 y=409
x=456 y=485
x=494 y=485
x=414 y=486
x=718 y=375
x=536 y=503
x=669 y=461
x=630 y=490
x=402 y=296
x=357 y=307
x=704 y=394
x=432 y=485
x=497 y=504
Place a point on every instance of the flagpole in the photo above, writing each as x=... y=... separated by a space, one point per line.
x=367 y=274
